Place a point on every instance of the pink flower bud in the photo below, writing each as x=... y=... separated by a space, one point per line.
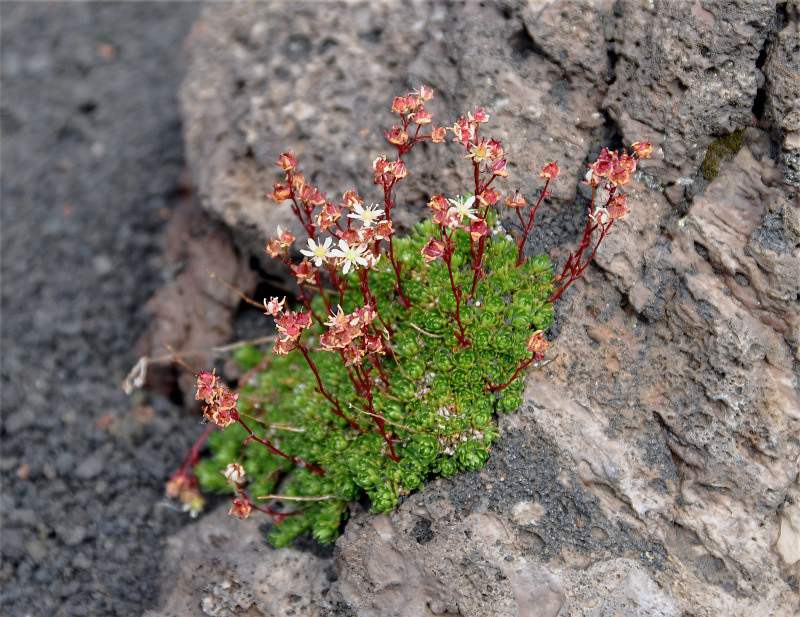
x=397 y=135
x=516 y=200
x=643 y=149
x=274 y=306
x=421 y=116
x=537 y=345
x=438 y=134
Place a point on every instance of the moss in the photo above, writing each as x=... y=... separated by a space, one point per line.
x=722 y=150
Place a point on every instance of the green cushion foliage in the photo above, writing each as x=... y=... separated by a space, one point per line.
x=435 y=407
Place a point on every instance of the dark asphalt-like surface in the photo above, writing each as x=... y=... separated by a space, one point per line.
x=91 y=156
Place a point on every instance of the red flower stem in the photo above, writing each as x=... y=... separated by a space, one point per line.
x=356 y=384
x=306 y=299
x=397 y=267
x=486 y=186
x=575 y=265
x=337 y=282
x=527 y=227
x=447 y=256
x=322 y=293
x=193 y=455
x=375 y=415
x=476 y=268
x=364 y=285
x=369 y=298
x=520 y=368
x=274 y=450
x=321 y=389
x=376 y=362
x=296 y=209
x=278 y=516
x=388 y=201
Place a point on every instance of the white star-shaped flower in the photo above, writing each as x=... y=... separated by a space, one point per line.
x=368 y=216
x=351 y=255
x=464 y=207
x=317 y=252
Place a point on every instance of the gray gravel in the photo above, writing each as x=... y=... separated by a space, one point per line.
x=91 y=157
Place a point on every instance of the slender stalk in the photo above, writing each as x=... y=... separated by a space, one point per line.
x=321 y=389
x=575 y=266
x=457 y=293
x=520 y=368
x=527 y=227
x=193 y=455
x=276 y=451
x=379 y=420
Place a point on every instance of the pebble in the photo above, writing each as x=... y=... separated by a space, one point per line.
x=89 y=468
x=36 y=549
x=102 y=264
x=72 y=536
x=81 y=561
x=19 y=420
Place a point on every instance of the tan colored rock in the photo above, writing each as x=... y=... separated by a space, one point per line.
x=788 y=544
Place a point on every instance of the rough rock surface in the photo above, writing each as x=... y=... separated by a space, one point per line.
x=782 y=109
x=654 y=467
x=222 y=567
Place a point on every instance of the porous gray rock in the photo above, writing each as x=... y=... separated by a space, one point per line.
x=255 y=89
x=689 y=72
x=653 y=468
x=221 y=567
x=781 y=69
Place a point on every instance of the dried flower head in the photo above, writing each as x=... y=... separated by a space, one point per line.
x=550 y=171
x=537 y=345
x=241 y=508
x=274 y=306
x=433 y=250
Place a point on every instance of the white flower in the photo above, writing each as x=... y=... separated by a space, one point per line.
x=234 y=472
x=368 y=215
x=600 y=216
x=463 y=207
x=351 y=255
x=373 y=259
x=317 y=252
x=274 y=306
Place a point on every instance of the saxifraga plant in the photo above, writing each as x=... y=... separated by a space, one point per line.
x=401 y=350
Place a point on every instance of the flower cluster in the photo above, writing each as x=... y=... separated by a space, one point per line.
x=290 y=325
x=220 y=407
x=611 y=171
x=389 y=370
x=349 y=334
x=183 y=487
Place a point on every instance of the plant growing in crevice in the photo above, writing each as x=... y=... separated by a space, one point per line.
x=401 y=349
